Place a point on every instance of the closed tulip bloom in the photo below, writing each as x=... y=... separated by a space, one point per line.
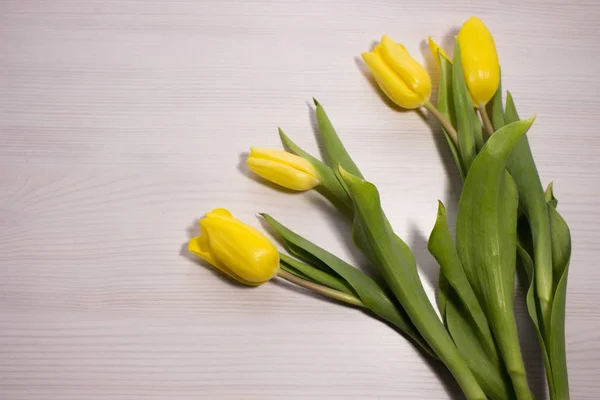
x=399 y=76
x=479 y=60
x=235 y=248
x=433 y=46
x=283 y=168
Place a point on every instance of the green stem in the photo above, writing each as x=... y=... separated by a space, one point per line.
x=486 y=119
x=508 y=343
x=323 y=290
x=487 y=123
x=444 y=121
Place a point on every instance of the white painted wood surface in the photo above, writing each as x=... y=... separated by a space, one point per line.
x=123 y=121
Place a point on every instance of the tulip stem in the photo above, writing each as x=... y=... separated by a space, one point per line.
x=486 y=119
x=323 y=290
x=444 y=121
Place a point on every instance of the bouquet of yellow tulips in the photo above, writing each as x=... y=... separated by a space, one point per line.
x=505 y=221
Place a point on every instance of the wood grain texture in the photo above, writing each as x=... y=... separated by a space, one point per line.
x=123 y=121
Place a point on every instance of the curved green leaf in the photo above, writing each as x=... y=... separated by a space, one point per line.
x=397 y=265
x=463 y=107
x=441 y=246
x=443 y=288
x=445 y=105
x=532 y=307
x=488 y=370
x=464 y=317
x=561 y=255
x=533 y=202
x=335 y=152
x=549 y=194
x=314 y=274
x=486 y=237
x=367 y=290
x=510 y=115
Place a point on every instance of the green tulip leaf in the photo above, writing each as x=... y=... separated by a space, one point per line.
x=443 y=288
x=441 y=246
x=486 y=236
x=445 y=102
x=532 y=201
x=335 y=152
x=445 y=105
x=549 y=195
x=510 y=114
x=532 y=308
x=463 y=106
x=561 y=255
x=314 y=274
x=547 y=238
x=464 y=317
x=397 y=265
x=365 y=288
x=486 y=367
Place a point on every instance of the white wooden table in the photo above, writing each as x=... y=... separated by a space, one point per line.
x=123 y=121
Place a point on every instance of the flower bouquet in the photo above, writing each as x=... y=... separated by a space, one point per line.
x=505 y=221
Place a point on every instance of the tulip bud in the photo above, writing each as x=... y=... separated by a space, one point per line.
x=399 y=76
x=479 y=60
x=283 y=168
x=433 y=46
x=235 y=248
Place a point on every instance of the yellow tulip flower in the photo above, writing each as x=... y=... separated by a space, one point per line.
x=433 y=46
x=399 y=76
x=235 y=248
x=479 y=60
x=283 y=168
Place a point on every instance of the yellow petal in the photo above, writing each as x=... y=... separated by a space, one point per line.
x=391 y=83
x=282 y=174
x=194 y=247
x=199 y=246
x=284 y=157
x=220 y=212
x=414 y=74
x=241 y=251
x=479 y=60
x=433 y=46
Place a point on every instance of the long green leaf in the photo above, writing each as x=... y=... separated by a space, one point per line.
x=543 y=298
x=533 y=202
x=398 y=267
x=445 y=105
x=441 y=246
x=486 y=237
x=443 y=288
x=464 y=317
x=532 y=307
x=561 y=255
x=367 y=290
x=549 y=194
x=510 y=114
x=488 y=370
x=315 y=274
x=335 y=152
x=463 y=107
